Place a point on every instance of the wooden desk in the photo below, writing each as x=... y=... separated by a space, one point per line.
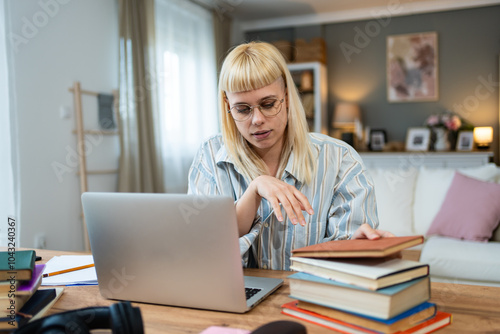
x=475 y=309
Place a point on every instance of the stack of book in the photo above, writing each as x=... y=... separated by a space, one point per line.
x=359 y=286
x=20 y=297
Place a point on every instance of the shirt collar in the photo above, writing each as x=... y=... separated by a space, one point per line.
x=222 y=155
x=290 y=171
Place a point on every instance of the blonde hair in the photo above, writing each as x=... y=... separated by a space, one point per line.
x=249 y=67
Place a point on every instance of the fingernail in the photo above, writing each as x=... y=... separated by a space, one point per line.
x=294 y=221
x=303 y=222
x=311 y=212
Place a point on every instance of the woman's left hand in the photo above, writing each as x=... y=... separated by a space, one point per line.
x=365 y=231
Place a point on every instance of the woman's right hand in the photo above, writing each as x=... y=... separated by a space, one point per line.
x=277 y=193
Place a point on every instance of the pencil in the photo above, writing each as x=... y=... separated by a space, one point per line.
x=68 y=270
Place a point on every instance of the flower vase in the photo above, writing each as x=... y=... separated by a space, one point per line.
x=441 y=142
x=452 y=139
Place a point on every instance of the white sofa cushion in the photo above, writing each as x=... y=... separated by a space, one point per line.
x=431 y=187
x=462 y=260
x=394 y=190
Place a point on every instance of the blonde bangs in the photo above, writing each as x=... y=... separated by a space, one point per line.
x=247 y=68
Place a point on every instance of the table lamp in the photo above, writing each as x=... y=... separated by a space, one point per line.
x=483 y=136
x=346 y=119
x=345 y=114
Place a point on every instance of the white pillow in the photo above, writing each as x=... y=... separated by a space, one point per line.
x=431 y=187
x=394 y=189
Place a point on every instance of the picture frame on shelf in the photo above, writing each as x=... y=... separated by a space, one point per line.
x=418 y=139
x=378 y=139
x=412 y=67
x=465 y=141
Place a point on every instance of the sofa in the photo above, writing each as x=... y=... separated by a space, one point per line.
x=457 y=210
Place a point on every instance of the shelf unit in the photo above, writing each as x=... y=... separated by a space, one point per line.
x=80 y=132
x=318 y=122
x=427 y=159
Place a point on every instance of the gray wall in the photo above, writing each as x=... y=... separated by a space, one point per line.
x=468 y=48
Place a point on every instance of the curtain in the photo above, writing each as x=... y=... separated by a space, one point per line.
x=9 y=209
x=187 y=92
x=222 y=34
x=140 y=168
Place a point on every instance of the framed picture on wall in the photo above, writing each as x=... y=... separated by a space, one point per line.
x=418 y=139
x=412 y=67
x=465 y=141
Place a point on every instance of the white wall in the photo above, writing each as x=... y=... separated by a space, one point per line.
x=57 y=42
x=7 y=195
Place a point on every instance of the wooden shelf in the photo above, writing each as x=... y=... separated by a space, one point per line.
x=406 y=159
x=80 y=131
x=319 y=122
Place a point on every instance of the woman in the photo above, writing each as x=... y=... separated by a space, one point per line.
x=291 y=188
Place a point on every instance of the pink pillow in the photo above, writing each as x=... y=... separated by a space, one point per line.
x=470 y=211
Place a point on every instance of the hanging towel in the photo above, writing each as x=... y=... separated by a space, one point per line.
x=106 y=114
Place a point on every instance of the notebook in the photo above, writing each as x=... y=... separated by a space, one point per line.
x=170 y=249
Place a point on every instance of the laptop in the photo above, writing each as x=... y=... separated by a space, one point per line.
x=171 y=249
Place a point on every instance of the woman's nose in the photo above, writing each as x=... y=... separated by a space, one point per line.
x=257 y=116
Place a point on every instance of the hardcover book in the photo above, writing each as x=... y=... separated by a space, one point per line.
x=6 y=286
x=400 y=322
x=358 y=247
x=370 y=273
x=36 y=307
x=439 y=320
x=13 y=299
x=17 y=264
x=11 y=303
x=331 y=323
x=384 y=303
x=29 y=287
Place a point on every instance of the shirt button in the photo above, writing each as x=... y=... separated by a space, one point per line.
x=266 y=225
x=264 y=266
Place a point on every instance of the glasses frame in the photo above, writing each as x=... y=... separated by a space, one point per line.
x=252 y=108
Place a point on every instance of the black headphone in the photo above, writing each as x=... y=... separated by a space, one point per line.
x=121 y=318
x=281 y=327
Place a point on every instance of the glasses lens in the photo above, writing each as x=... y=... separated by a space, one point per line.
x=270 y=107
x=241 y=112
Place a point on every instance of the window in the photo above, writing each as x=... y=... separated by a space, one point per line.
x=185 y=59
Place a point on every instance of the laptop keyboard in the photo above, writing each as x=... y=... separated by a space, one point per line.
x=250 y=292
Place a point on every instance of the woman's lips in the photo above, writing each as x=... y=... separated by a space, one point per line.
x=261 y=134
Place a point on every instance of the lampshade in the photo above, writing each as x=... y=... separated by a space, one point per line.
x=483 y=136
x=346 y=113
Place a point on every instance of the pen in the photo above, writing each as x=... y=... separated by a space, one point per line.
x=68 y=270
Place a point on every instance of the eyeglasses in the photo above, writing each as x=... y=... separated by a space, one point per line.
x=269 y=108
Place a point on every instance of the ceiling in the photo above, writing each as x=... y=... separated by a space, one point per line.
x=279 y=13
x=248 y=10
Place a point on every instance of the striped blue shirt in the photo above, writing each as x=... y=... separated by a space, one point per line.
x=341 y=194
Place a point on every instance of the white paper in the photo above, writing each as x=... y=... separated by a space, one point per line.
x=84 y=276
